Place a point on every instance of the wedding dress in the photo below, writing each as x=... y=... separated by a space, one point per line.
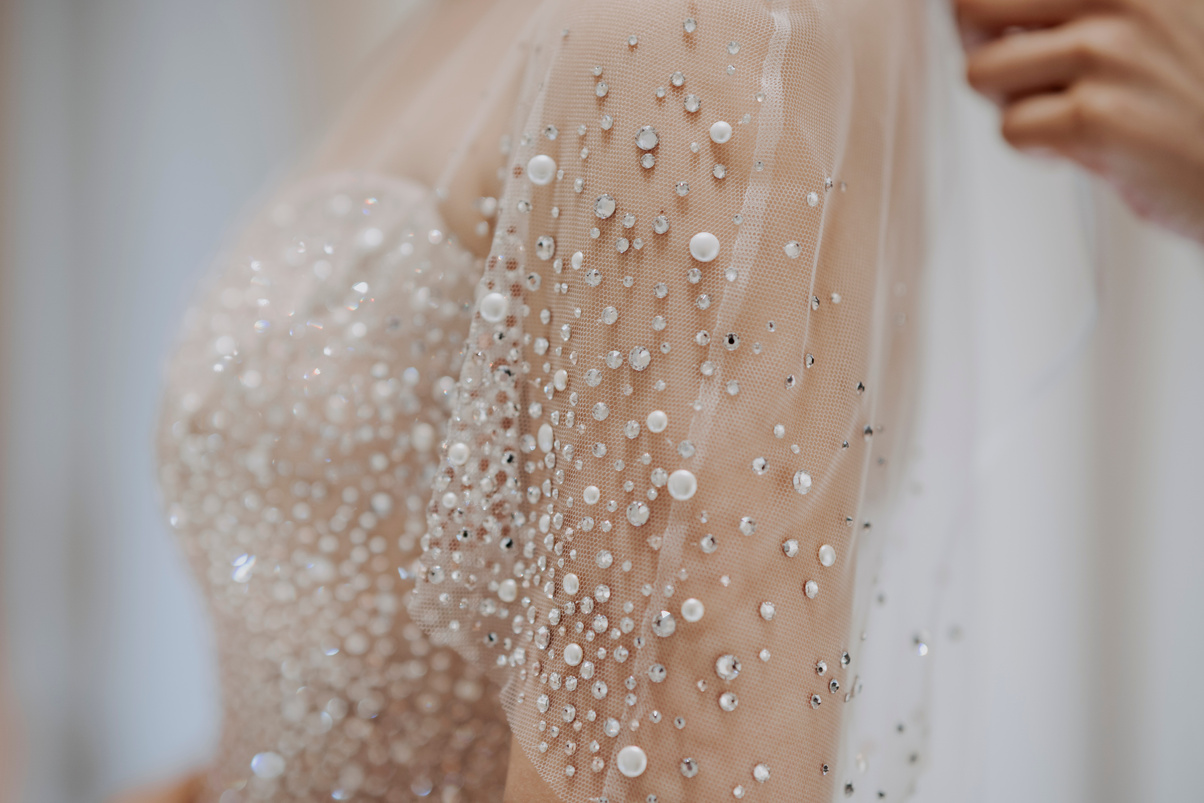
x=614 y=491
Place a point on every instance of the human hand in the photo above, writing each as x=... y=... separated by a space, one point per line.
x=1115 y=85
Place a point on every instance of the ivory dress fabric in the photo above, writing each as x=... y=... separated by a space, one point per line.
x=629 y=465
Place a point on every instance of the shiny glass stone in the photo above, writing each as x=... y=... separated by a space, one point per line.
x=604 y=206
x=663 y=624
x=727 y=667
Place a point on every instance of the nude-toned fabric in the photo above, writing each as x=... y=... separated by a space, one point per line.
x=636 y=485
x=642 y=436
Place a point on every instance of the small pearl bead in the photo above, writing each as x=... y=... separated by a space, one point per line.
x=721 y=132
x=704 y=246
x=570 y=584
x=541 y=170
x=591 y=495
x=631 y=761
x=507 y=590
x=827 y=555
x=682 y=484
x=692 y=610
x=458 y=454
x=493 y=307
x=268 y=765
x=560 y=379
x=573 y=654
x=545 y=438
x=657 y=421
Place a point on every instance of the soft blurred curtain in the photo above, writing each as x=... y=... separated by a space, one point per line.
x=137 y=130
x=134 y=131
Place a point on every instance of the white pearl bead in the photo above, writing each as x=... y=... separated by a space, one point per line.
x=827 y=555
x=682 y=484
x=704 y=246
x=545 y=438
x=570 y=584
x=267 y=765
x=573 y=654
x=457 y=454
x=422 y=437
x=493 y=307
x=811 y=589
x=591 y=494
x=721 y=132
x=560 y=379
x=449 y=500
x=692 y=610
x=632 y=761
x=541 y=170
x=507 y=590
x=657 y=421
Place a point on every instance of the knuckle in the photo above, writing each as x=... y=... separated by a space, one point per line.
x=1091 y=111
x=1103 y=43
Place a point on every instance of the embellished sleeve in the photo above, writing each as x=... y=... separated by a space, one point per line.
x=688 y=354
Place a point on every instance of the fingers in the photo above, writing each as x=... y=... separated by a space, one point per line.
x=1049 y=59
x=990 y=17
x=1072 y=123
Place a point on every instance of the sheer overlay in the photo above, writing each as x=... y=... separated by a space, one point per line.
x=687 y=377
x=640 y=500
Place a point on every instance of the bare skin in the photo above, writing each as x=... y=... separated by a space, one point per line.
x=523 y=783
x=182 y=791
x=1114 y=85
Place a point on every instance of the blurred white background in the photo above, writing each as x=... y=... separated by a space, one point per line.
x=136 y=131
